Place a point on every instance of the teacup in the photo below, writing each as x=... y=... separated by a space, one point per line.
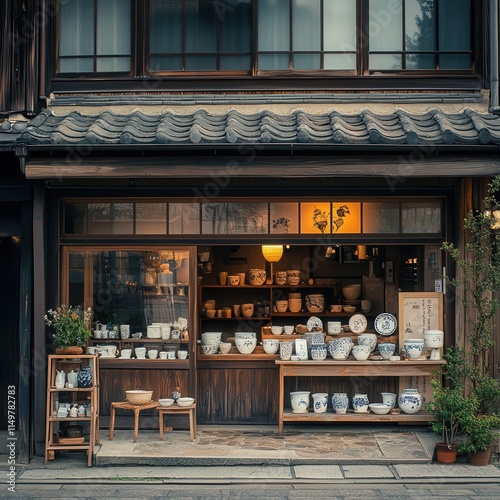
x=336 y=308
x=153 y=353
x=163 y=354
x=126 y=353
x=181 y=354
x=170 y=354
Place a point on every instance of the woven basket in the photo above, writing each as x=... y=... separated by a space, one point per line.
x=69 y=350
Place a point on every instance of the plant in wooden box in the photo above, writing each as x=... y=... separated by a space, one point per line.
x=72 y=328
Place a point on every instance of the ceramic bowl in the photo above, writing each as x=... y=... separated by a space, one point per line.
x=349 y=309
x=368 y=338
x=211 y=337
x=361 y=352
x=300 y=401
x=379 y=408
x=288 y=329
x=293 y=277
x=315 y=302
x=166 y=402
x=271 y=346
x=208 y=348
x=257 y=276
x=247 y=310
x=139 y=397
x=281 y=305
x=352 y=292
x=386 y=349
x=246 y=346
x=245 y=335
x=414 y=348
x=185 y=401
x=295 y=305
x=276 y=330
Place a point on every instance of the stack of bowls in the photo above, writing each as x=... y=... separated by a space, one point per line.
x=368 y=339
x=246 y=346
x=211 y=338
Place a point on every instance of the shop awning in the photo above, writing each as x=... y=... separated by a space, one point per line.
x=200 y=144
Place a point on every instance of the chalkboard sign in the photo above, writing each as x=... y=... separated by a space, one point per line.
x=419 y=312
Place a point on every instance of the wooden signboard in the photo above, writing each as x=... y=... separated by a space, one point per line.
x=417 y=313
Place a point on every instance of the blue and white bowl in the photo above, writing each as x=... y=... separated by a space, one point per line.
x=389 y=398
x=386 y=349
x=271 y=346
x=361 y=352
x=414 y=348
x=368 y=339
x=246 y=346
x=319 y=352
x=300 y=401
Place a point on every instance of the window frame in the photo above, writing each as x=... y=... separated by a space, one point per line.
x=316 y=80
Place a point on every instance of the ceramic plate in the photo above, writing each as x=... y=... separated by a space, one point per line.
x=385 y=324
x=314 y=322
x=358 y=323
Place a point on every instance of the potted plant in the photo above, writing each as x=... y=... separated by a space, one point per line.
x=449 y=407
x=480 y=430
x=72 y=328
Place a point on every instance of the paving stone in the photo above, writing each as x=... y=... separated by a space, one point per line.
x=367 y=471
x=317 y=472
x=446 y=470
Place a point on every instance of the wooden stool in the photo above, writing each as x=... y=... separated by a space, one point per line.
x=176 y=410
x=125 y=405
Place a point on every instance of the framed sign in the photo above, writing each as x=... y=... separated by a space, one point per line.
x=419 y=312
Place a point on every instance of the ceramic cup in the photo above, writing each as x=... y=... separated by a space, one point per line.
x=181 y=354
x=124 y=331
x=242 y=277
x=366 y=306
x=233 y=280
x=140 y=352
x=222 y=278
x=163 y=354
x=334 y=327
x=153 y=353
x=126 y=353
x=237 y=309
x=286 y=349
x=247 y=310
x=336 y=308
x=171 y=355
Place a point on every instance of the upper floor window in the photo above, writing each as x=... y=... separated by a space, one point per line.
x=261 y=37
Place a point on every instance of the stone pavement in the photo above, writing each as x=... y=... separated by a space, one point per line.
x=222 y=454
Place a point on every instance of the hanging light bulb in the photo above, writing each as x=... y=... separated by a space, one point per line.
x=272 y=253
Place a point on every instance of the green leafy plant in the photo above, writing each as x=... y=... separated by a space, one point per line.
x=71 y=325
x=480 y=429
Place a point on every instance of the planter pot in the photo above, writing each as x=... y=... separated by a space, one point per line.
x=446 y=455
x=481 y=457
x=69 y=350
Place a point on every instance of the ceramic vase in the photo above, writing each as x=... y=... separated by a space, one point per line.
x=320 y=402
x=340 y=402
x=360 y=402
x=300 y=401
x=85 y=377
x=410 y=401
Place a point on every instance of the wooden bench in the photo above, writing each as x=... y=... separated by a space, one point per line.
x=125 y=405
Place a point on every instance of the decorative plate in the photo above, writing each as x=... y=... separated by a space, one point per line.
x=385 y=324
x=314 y=322
x=358 y=323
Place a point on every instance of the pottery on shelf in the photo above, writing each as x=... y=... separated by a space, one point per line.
x=256 y=276
x=360 y=402
x=85 y=376
x=320 y=402
x=300 y=401
x=361 y=352
x=414 y=347
x=386 y=349
x=389 y=398
x=410 y=401
x=340 y=402
x=368 y=338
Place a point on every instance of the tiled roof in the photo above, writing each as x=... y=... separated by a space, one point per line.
x=298 y=127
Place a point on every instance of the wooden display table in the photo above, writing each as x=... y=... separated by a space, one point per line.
x=348 y=368
x=125 y=405
x=175 y=409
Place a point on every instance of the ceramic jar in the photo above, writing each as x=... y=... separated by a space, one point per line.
x=281 y=306
x=280 y=277
x=320 y=402
x=286 y=349
x=410 y=401
x=300 y=401
x=340 y=402
x=315 y=302
x=295 y=305
x=360 y=402
x=85 y=376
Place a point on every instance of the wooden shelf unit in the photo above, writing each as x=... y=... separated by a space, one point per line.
x=76 y=394
x=350 y=368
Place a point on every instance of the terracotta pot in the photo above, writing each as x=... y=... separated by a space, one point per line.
x=481 y=457
x=69 y=350
x=446 y=455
